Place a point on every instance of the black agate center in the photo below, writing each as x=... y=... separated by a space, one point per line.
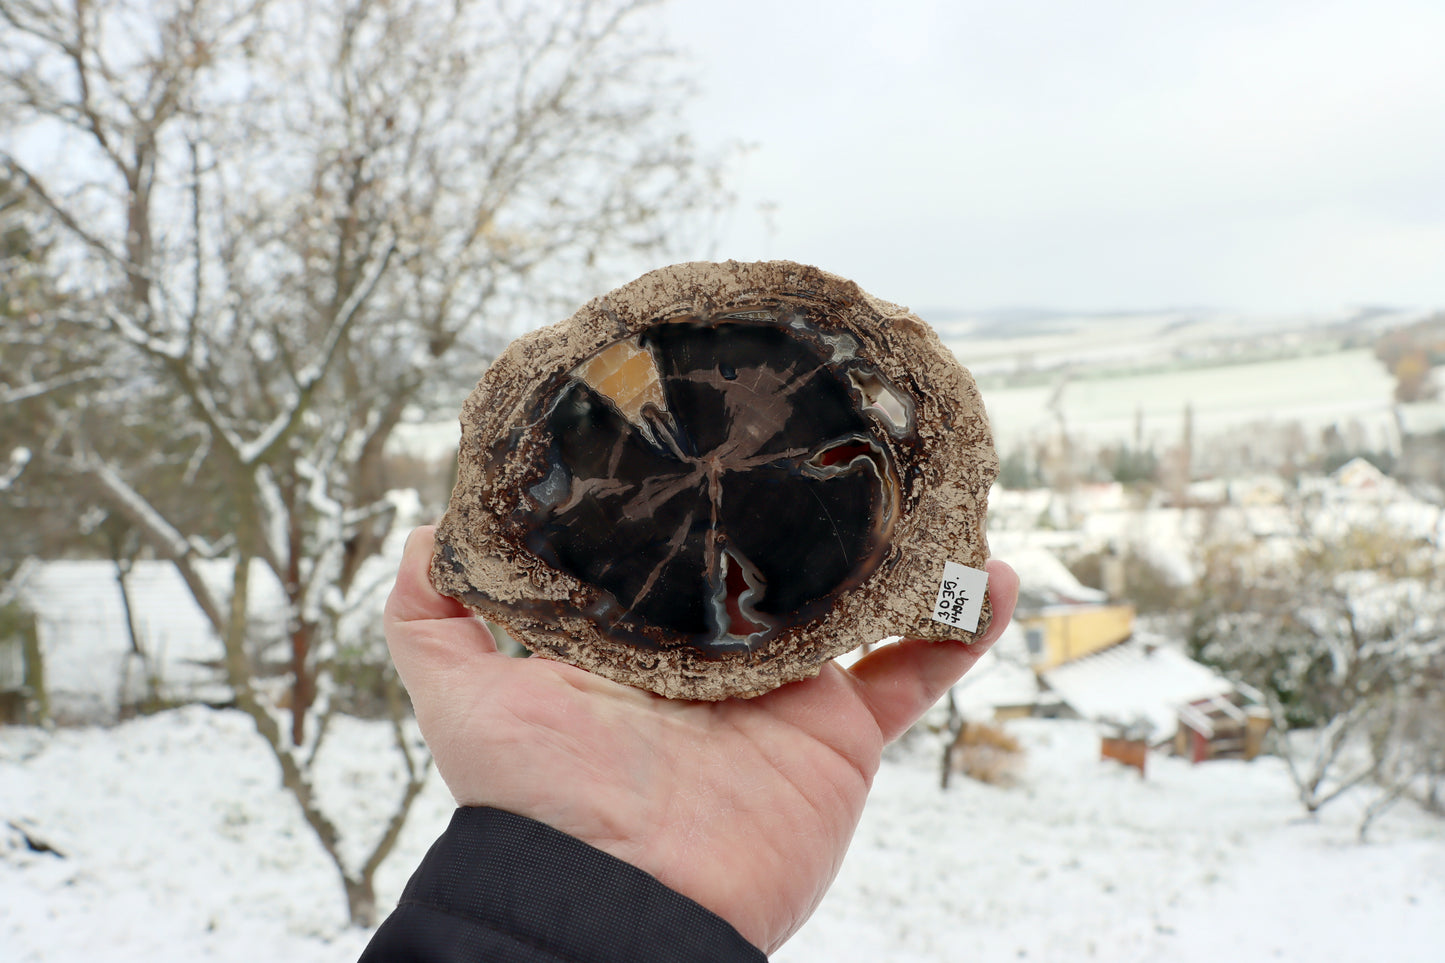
x=718 y=480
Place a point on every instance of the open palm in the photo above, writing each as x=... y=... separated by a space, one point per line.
x=745 y=806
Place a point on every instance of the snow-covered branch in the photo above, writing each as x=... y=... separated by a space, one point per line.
x=164 y=537
x=15 y=171
x=172 y=350
x=19 y=458
x=35 y=389
x=17 y=582
x=202 y=548
x=310 y=376
x=175 y=353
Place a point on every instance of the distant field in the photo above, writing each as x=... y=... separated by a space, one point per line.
x=1339 y=387
x=1316 y=389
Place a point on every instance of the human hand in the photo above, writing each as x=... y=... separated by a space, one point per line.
x=745 y=806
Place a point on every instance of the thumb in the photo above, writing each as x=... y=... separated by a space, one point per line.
x=899 y=682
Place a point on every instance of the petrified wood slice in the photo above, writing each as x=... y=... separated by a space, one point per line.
x=716 y=478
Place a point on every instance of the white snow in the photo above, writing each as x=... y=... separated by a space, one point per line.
x=1140 y=680
x=1314 y=390
x=179 y=845
x=1086 y=860
x=1041 y=572
x=1001 y=678
x=81 y=620
x=19 y=458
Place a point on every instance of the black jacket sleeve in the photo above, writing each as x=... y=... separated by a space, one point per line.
x=502 y=888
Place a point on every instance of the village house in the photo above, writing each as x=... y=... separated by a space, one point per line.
x=1422 y=442
x=1073 y=651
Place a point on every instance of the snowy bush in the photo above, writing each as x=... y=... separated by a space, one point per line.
x=1343 y=630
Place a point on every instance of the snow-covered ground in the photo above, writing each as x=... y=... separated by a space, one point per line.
x=82 y=624
x=178 y=844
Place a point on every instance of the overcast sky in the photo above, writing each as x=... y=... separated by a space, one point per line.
x=1270 y=156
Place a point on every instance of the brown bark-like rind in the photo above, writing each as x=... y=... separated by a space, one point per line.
x=944 y=463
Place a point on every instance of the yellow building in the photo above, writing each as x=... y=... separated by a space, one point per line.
x=1056 y=634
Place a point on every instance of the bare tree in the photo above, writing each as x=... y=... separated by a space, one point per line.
x=1340 y=626
x=283 y=228
x=1407 y=748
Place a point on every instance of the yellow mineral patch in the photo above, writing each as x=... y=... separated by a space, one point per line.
x=627 y=377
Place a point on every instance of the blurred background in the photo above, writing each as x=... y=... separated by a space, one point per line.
x=253 y=255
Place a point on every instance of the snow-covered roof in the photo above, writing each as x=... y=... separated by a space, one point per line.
x=1099 y=497
x=1210 y=491
x=1002 y=677
x=1136 y=680
x=1359 y=474
x=1030 y=501
x=1042 y=575
x=1258 y=490
x=1422 y=418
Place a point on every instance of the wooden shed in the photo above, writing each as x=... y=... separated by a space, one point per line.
x=1220 y=728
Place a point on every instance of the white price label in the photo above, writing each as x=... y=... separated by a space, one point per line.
x=960 y=596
